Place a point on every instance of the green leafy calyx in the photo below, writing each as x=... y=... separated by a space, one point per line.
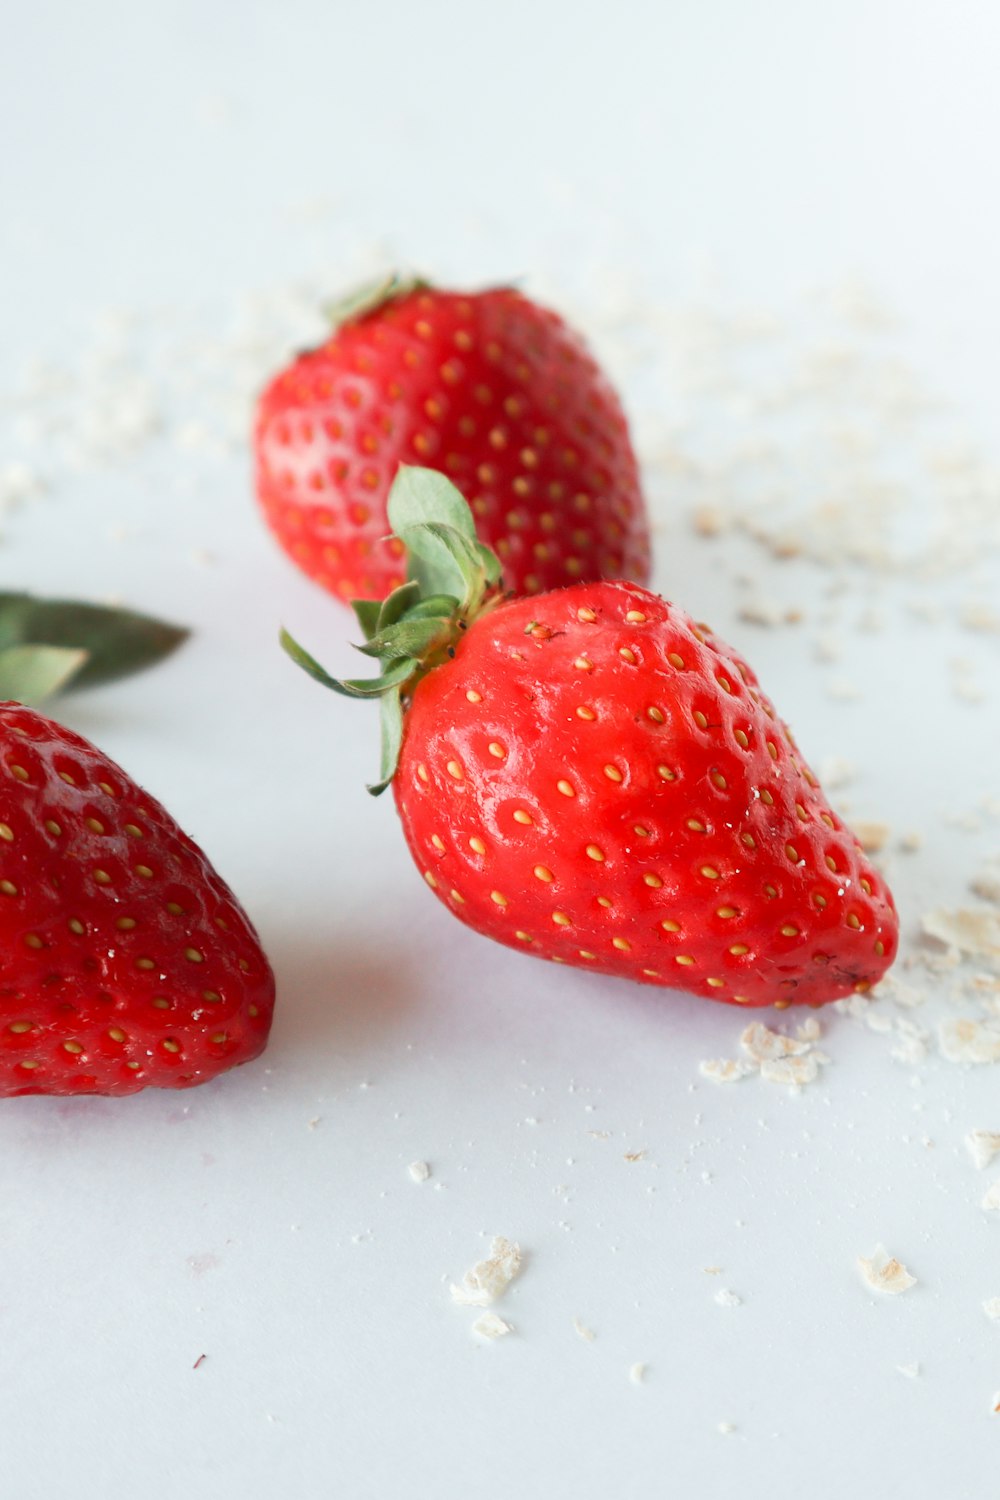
x=452 y=580
x=367 y=299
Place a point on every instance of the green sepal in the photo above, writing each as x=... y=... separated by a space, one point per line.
x=425 y=497
x=370 y=297
x=367 y=612
x=395 y=605
x=440 y=606
x=350 y=687
x=29 y=674
x=116 y=641
x=409 y=638
x=391 y=716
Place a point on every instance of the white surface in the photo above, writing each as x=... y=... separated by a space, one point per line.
x=171 y=161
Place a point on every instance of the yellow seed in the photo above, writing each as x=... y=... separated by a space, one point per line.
x=675 y=660
x=582 y=952
x=710 y=872
x=212 y=996
x=171 y=1046
x=653 y=973
x=749 y=840
x=853 y=920
x=782 y=1004
x=7 y=833
x=125 y=924
x=726 y=911
x=772 y=749
x=801 y=813
x=670 y=926
x=134 y=831
x=70 y=780
x=819 y=899
x=32 y=940
x=741 y=738
x=583 y=712
x=584 y=664
x=28 y=1063
x=695 y=825
x=473 y=696
x=586 y=615
x=95 y=825
x=685 y=959
x=53 y=827
x=73 y=1047
x=656 y=714
x=700 y=719
x=145 y=963
x=430 y=879
x=161 y=1002
x=717 y=984
x=194 y=955
x=627 y=655
x=566 y=789
x=738 y=950
x=742 y=999
x=879 y=947
x=665 y=773
x=622 y=944
x=636 y=617
x=476 y=844
x=107 y=788
x=792 y=853
x=724 y=684
x=422 y=773
x=499 y=899
x=594 y=851
x=454 y=769
x=865 y=885
x=789 y=930
x=103 y=878
x=831 y=863
x=437 y=841
x=457 y=896
x=497 y=750
x=19 y=772
x=542 y=872
x=766 y=798
x=652 y=880
x=604 y=901
x=220 y=1037
x=613 y=773
x=825 y=818
x=520 y=816
x=561 y=919
x=523 y=937
x=8 y=887
x=142 y=870
x=116 y=1034
x=719 y=780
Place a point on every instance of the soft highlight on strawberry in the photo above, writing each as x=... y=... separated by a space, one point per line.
x=489 y=387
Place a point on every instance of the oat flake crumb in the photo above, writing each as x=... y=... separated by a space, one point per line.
x=983 y=1145
x=727 y=1298
x=991 y=1198
x=488 y=1278
x=969 y=1041
x=884 y=1273
x=637 y=1373
x=725 y=1069
x=490 y=1326
x=996 y=1401
x=582 y=1331
x=419 y=1171
x=991 y=1307
x=970 y=930
x=910 y=1371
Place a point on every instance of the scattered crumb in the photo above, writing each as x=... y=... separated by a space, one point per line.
x=489 y=1278
x=872 y=837
x=764 y=1045
x=712 y=1270
x=637 y=1373
x=884 y=1273
x=970 y=1041
x=911 y=843
x=983 y=1145
x=419 y=1171
x=991 y=1198
x=991 y=1307
x=996 y=1401
x=727 y=1428
x=970 y=931
x=583 y=1332
x=490 y=1326
x=794 y=1071
x=987 y=887
x=725 y=1070
x=637 y=1155
x=316 y=1120
x=910 y=1371
x=727 y=1298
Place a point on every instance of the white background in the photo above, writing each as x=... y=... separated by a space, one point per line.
x=181 y=166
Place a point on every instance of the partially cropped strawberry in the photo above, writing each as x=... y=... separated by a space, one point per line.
x=127 y=961
x=594 y=778
x=489 y=387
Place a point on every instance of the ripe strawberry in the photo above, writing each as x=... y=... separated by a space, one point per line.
x=591 y=776
x=128 y=963
x=492 y=388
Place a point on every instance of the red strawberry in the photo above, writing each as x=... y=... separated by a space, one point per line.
x=128 y=963
x=493 y=389
x=595 y=778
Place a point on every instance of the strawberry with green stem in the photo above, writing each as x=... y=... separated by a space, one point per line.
x=495 y=390
x=593 y=777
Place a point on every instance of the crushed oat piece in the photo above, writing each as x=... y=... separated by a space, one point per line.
x=996 y=1401
x=795 y=1072
x=911 y=843
x=872 y=837
x=991 y=1307
x=834 y=772
x=764 y=1045
x=910 y=1371
x=583 y=1332
x=419 y=1171
x=709 y=520
x=971 y=931
x=727 y=1428
x=991 y=1198
x=712 y=1270
x=884 y=1273
x=725 y=1070
x=490 y=1326
x=637 y=1373
x=983 y=1145
x=489 y=1278
x=809 y=1030
x=636 y=1155
x=987 y=887
x=969 y=1041
x=727 y=1298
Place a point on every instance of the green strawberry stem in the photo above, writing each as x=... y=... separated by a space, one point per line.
x=453 y=579
x=370 y=297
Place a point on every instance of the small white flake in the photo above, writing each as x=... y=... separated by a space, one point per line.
x=970 y=1041
x=910 y=1371
x=795 y=1072
x=982 y=1145
x=884 y=1273
x=582 y=1331
x=872 y=837
x=987 y=887
x=991 y=1307
x=725 y=1070
x=637 y=1373
x=991 y=1198
x=726 y=1428
x=764 y=1045
x=488 y=1278
x=490 y=1326
x=419 y=1171
x=974 y=932
x=726 y=1298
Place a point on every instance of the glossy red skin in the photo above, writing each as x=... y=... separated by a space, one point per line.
x=490 y=388
x=60 y=985
x=662 y=832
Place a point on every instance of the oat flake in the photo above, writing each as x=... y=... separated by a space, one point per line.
x=884 y=1273
x=488 y=1278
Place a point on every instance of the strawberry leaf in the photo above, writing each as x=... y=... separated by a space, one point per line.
x=397 y=604
x=370 y=297
x=29 y=674
x=420 y=497
x=350 y=687
x=391 y=711
x=116 y=642
x=367 y=612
